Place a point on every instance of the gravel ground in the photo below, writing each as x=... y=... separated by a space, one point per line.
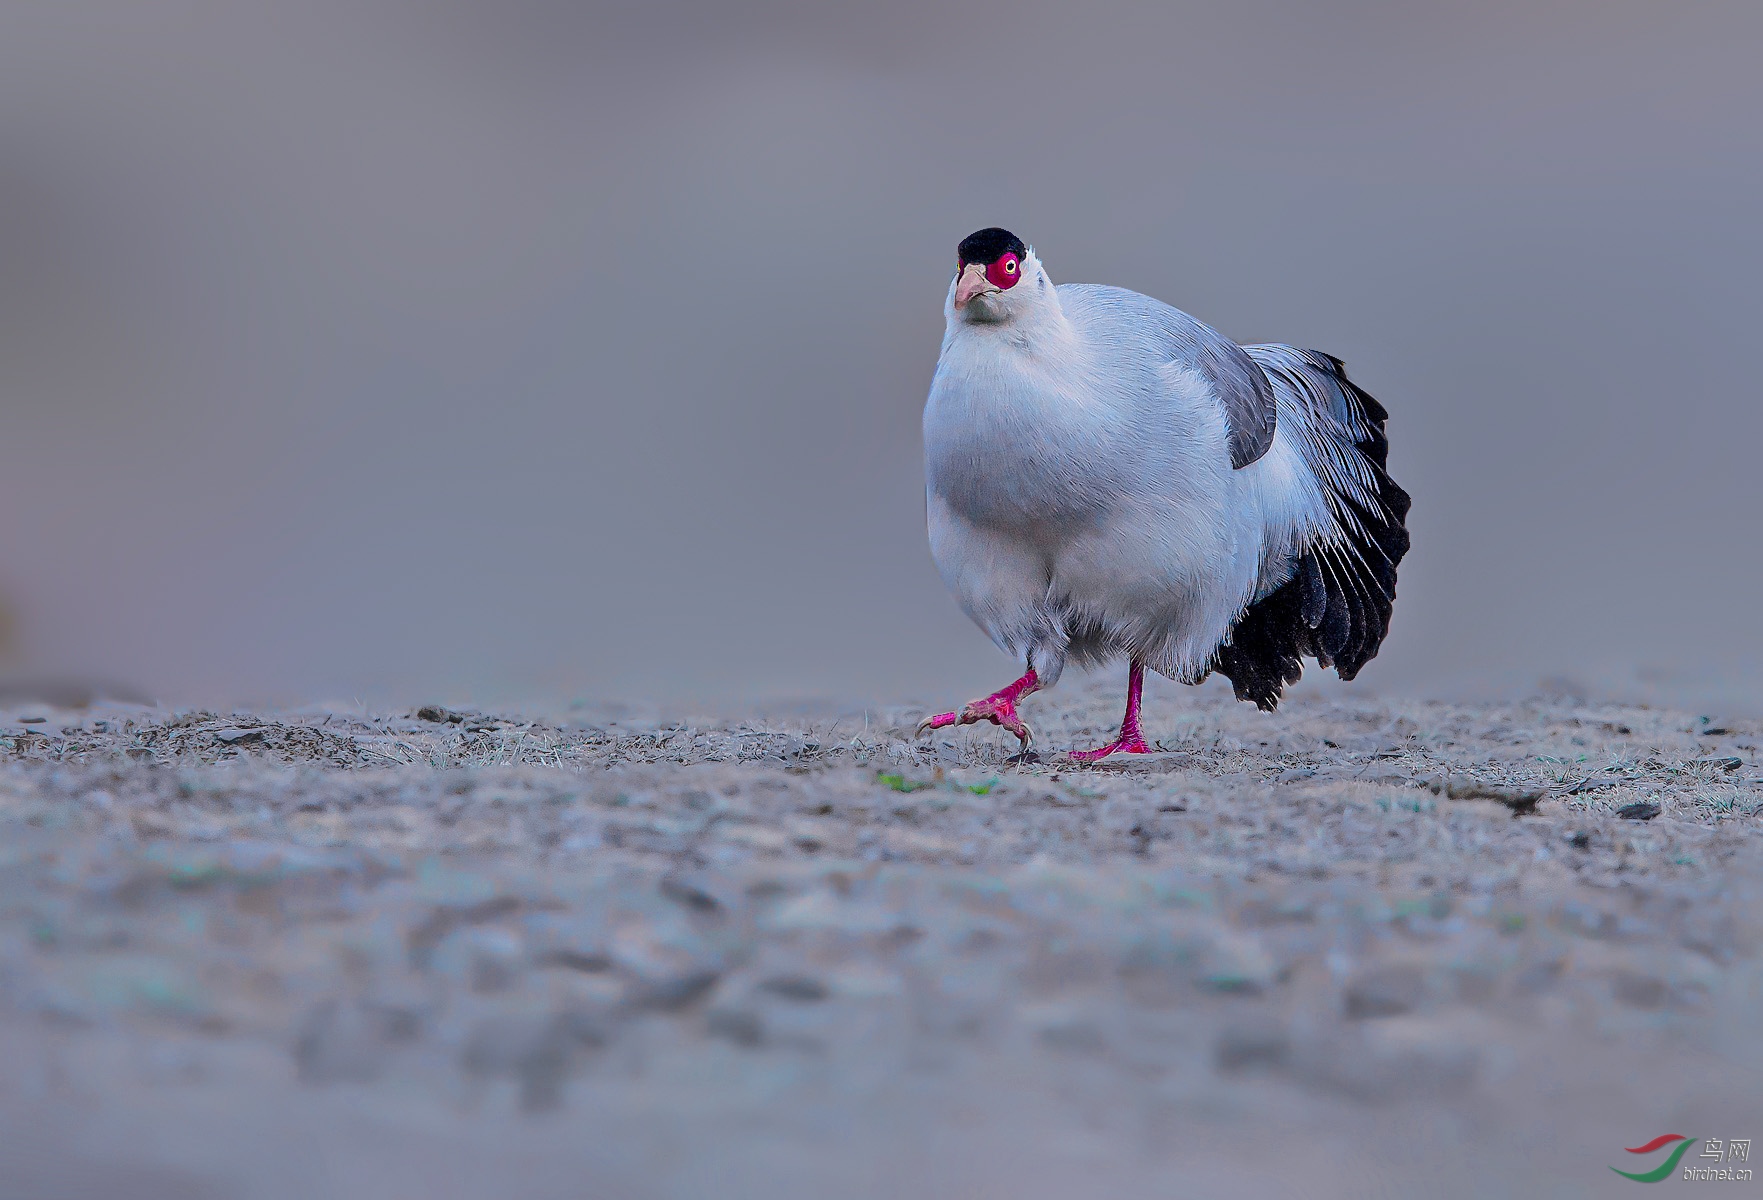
x=1353 y=948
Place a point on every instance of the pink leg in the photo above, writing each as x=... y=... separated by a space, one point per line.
x=999 y=708
x=1131 y=740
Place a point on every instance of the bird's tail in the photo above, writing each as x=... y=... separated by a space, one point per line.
x=1339 y=584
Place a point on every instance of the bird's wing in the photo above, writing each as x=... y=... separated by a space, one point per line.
x=1243 y=391
x=1251 y=413
x=1329 y=591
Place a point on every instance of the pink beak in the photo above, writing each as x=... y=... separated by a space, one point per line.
x=973 y=283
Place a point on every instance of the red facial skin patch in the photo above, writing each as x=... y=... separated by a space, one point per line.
x=1005 y=272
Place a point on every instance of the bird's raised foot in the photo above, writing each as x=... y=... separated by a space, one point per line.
x=1123 y=744
x=997 y=708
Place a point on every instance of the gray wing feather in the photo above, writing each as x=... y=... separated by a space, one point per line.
x=1243 y=389
x=1245 y=394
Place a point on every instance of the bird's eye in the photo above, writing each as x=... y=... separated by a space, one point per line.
x=1003 y=272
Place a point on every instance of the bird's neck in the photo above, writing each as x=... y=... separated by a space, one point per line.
x=1040 y=328
x=1020 y=367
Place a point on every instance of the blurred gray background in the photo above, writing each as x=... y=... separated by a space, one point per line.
x=394 y=351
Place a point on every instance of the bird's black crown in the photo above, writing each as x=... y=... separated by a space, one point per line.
x=989 y=245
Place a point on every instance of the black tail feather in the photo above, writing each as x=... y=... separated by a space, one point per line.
x=1336 y=606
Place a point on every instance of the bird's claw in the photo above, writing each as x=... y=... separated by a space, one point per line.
x=999 y=708
x=999 y=712
x=1024 y=735
x=933 y=722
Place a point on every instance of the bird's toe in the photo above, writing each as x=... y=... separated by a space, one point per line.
x=935 y=721
x=1090 y=756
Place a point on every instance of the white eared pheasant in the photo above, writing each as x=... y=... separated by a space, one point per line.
x=1108 y=477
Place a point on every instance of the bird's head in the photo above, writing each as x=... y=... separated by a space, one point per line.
x=991 y=268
